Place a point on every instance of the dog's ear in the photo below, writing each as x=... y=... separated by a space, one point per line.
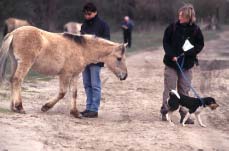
x=209 y=100
x=206 y=101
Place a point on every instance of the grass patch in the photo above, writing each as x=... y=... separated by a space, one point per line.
x=214 y=34
x=32 y=75
x=3 y=110
x=211 y=35
x=141 y=40
x=3 y=95
x=153 y=38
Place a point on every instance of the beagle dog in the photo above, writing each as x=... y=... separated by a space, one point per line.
x=194 y=106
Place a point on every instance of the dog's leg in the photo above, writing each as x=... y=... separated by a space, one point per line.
x=168 y=117
x=185 y=118
x=199 y=120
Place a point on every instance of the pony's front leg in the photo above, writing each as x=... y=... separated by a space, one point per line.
x=74 y=110
x=64 y=83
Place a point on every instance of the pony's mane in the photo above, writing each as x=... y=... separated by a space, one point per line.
x=81 y=39
x=93 y=37
x=75 y=37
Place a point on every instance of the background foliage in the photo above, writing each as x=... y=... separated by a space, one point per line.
x=53 y=14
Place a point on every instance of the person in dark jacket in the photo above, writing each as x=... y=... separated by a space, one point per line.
x=94 y=25
x=174 y=38
x=127 y=26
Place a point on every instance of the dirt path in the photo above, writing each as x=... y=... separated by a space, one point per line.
x=129 y=118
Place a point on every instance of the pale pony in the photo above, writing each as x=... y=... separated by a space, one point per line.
x=65 y=55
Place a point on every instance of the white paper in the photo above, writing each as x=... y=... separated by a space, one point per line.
x=187 y=45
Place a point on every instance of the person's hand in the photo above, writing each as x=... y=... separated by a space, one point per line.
x=174 y=59
x=125 y=27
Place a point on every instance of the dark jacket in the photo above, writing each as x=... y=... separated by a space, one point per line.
x=129 y=26
x=173 y=40
x=96 y=26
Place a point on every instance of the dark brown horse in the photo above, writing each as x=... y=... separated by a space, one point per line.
x=13 y=23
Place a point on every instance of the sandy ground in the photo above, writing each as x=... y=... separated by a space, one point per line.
x=129 y=117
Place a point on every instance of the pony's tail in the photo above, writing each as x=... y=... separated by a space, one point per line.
x=4 y=54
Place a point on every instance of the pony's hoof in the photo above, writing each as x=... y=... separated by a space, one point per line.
x=75 y=113
x=21 y=111
x=18 y=108
x=45 y=108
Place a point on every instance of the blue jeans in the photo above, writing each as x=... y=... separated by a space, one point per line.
x=92 y=85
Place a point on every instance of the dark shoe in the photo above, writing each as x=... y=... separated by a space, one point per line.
x=85 y=111
x=189 y=121
x=90 y=114
x=164 y=110
x=163 y=117
x=182 y=115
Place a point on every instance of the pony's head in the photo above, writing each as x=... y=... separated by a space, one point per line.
x=116 y=61
x=102 y=50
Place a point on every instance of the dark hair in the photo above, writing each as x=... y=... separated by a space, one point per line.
x=89 y=7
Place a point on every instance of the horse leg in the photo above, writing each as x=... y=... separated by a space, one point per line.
x=64 y=83
x=13 y=70
x=21 y=71
x=74 y=110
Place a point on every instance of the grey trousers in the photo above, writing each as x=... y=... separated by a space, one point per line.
x=174 y=80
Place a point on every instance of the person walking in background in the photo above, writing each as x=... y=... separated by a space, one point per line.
x=174 y=38
x=93 y=24
x=127 y=27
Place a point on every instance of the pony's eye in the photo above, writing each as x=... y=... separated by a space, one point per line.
x=119 y=59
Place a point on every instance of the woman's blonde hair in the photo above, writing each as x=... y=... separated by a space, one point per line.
x=188 y=12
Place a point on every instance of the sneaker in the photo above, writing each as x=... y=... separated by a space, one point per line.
x=164 y=111
x=188 y=121
x=90 y=114
x=85 y=111
x=163 y=117
x=182 y=115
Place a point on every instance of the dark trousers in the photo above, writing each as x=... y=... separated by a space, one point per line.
x=127 y=38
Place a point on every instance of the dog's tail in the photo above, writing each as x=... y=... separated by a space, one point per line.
x=4 y=51
x=176 y=93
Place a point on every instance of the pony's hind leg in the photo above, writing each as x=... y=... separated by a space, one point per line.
x=21 y=71
x=74 y=110
x=64 y=83
x=13 y=70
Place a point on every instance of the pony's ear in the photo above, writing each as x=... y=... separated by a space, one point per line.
x=121 y=48
x=125 y=45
